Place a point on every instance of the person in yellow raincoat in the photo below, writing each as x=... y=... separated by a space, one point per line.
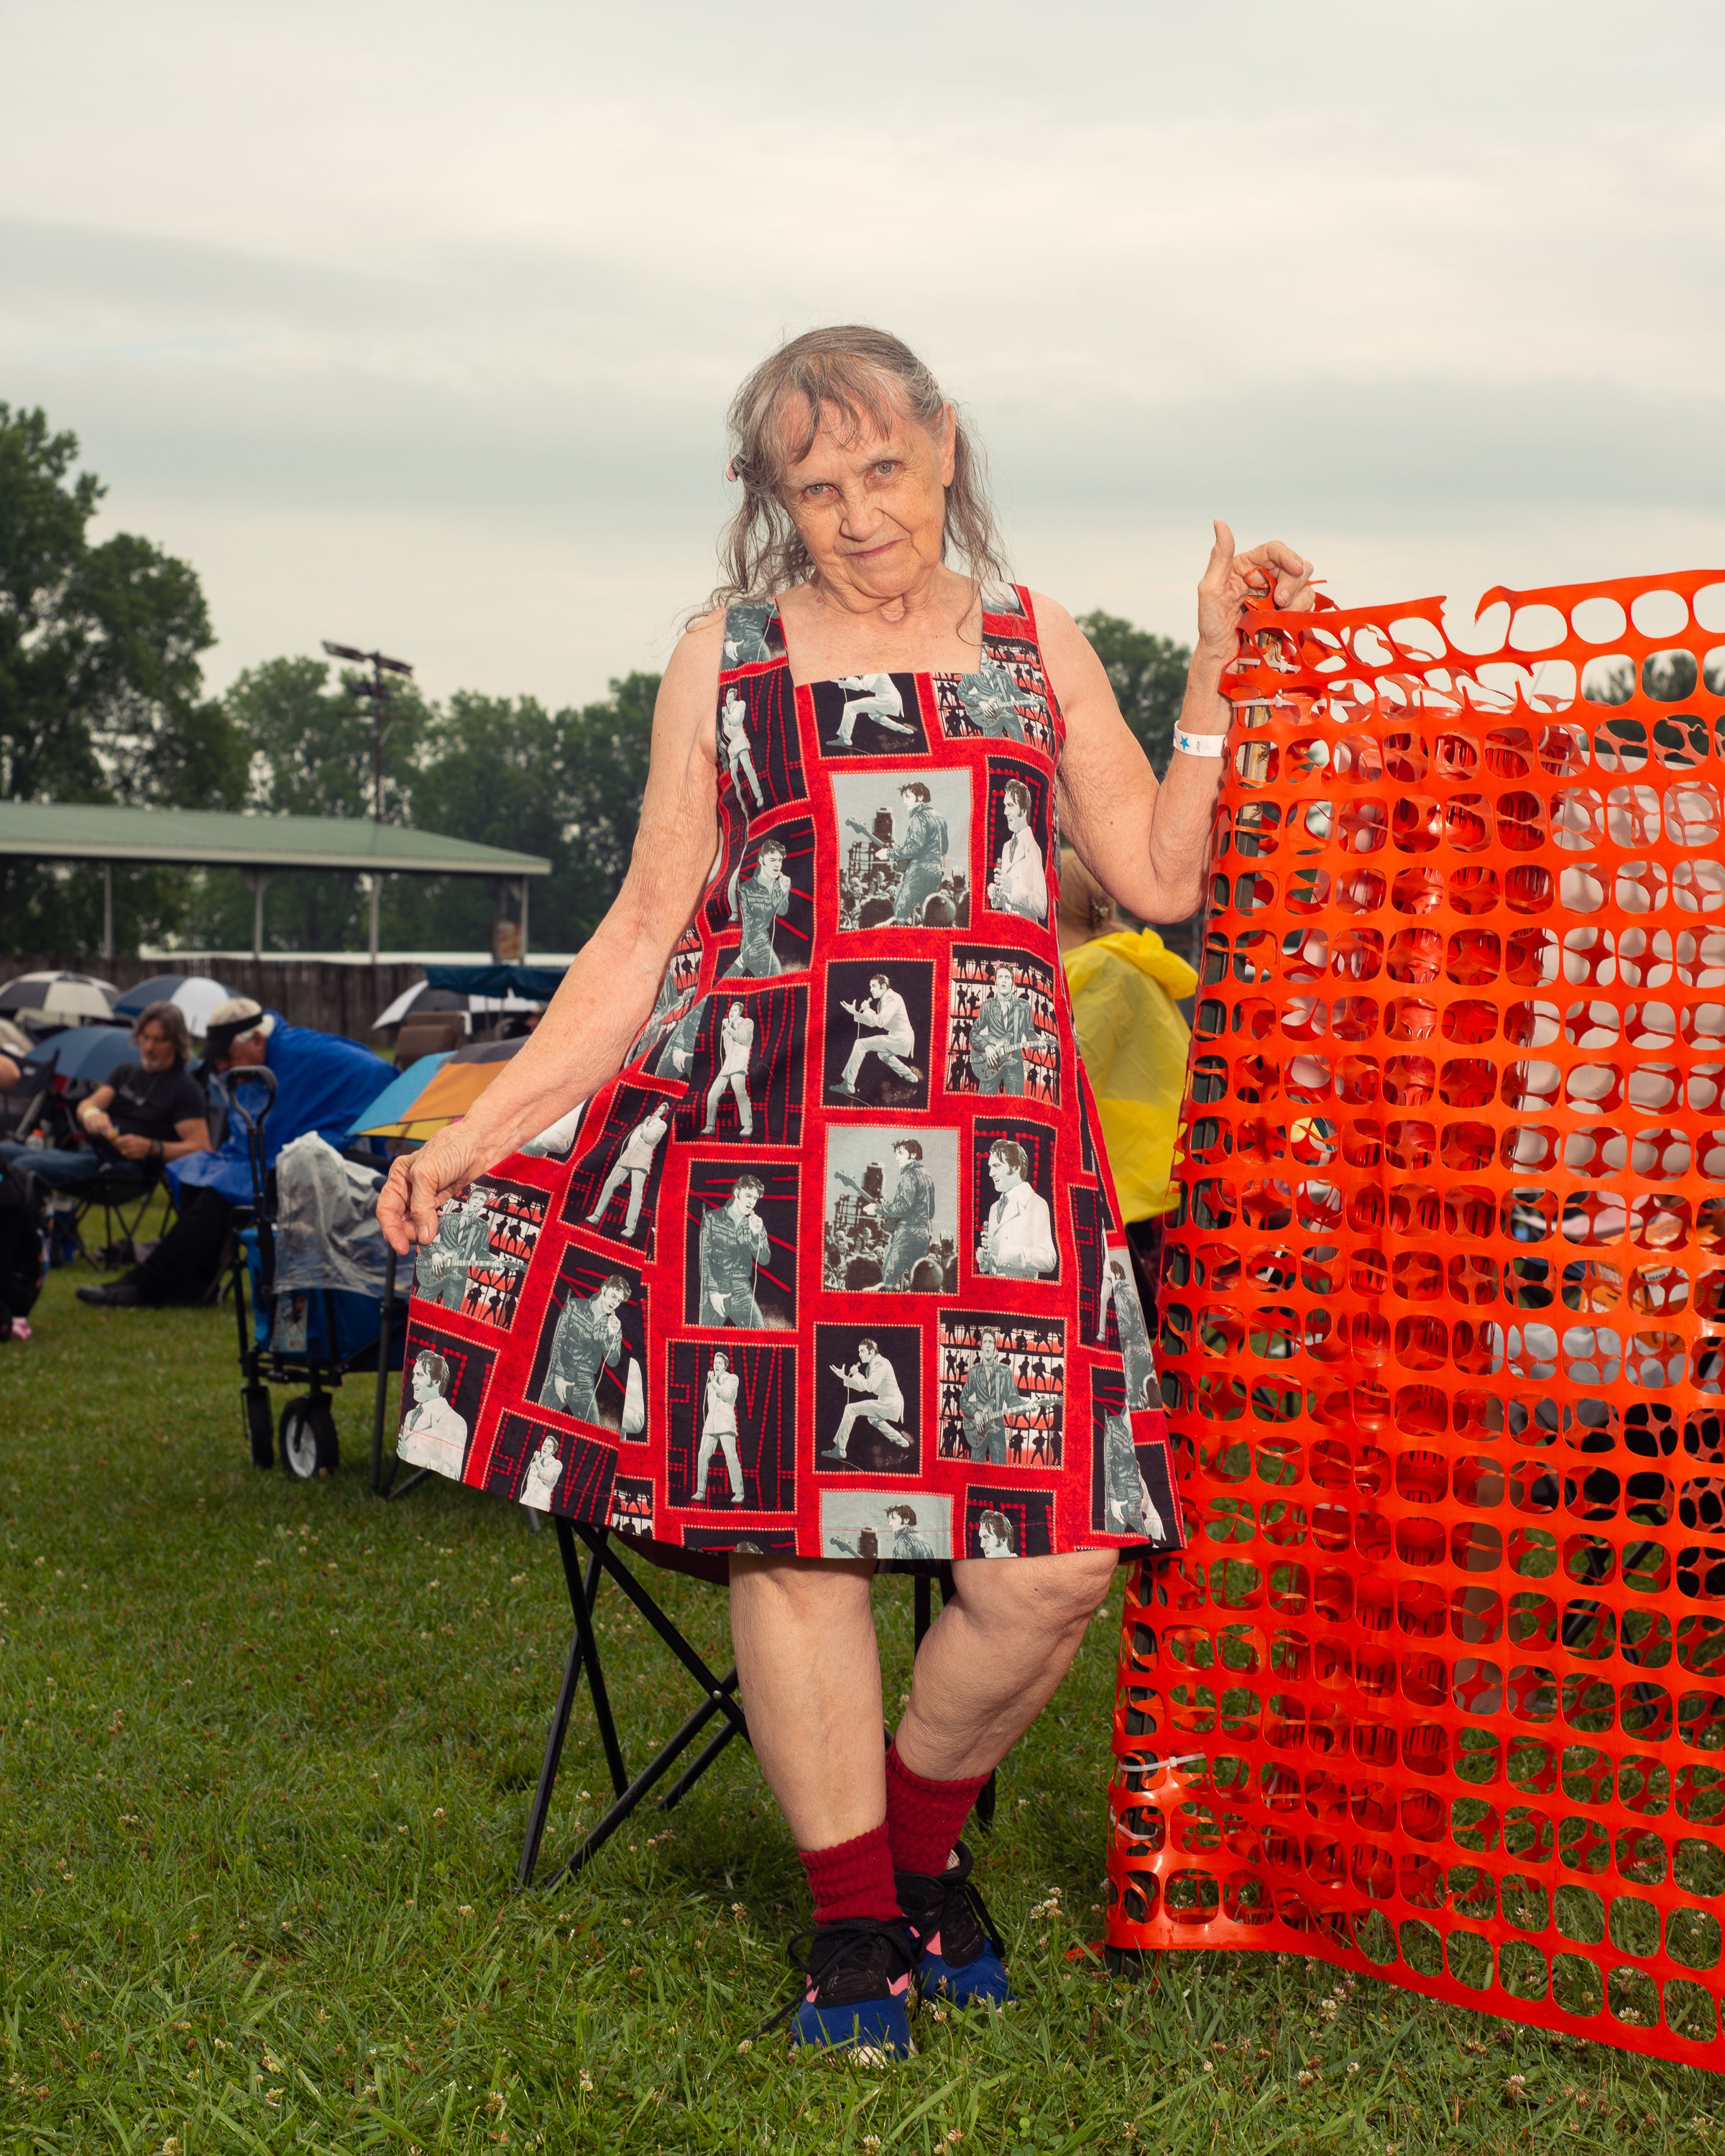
x=1125 y=990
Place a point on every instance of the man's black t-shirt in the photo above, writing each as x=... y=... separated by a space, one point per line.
x=152 y=1104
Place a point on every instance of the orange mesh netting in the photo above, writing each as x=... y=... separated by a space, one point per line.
x=1438 y=1689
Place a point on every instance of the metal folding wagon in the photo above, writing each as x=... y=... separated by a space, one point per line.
x=312 y=1335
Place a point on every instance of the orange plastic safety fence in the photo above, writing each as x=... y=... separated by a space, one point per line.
x=1438 y=1689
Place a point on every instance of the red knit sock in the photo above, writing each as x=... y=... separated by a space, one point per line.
x=852 y=1878
x=924 y=1819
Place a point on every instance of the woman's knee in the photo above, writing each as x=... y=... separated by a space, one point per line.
x=1053 y=1594
x=800 y=1590
x=1086 y=1577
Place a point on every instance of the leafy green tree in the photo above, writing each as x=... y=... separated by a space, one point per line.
x=100 y=685
x=488 y=773
x=1149 y=676
x=306 y=748
x=603 y=764
x=506 y=772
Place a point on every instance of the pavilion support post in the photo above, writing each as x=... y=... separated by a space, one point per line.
x=524 y=920
x=257 y=882
x=376 y=879
x=107 y=909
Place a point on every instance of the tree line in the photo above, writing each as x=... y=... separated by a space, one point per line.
x=102 y=700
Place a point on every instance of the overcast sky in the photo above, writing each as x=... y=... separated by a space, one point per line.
x=415 y=324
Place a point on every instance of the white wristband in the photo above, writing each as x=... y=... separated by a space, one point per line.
x=1200 y=744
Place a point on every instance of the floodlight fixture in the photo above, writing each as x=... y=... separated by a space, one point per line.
x=378 y=692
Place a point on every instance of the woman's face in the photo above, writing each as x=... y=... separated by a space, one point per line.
x=871 y=509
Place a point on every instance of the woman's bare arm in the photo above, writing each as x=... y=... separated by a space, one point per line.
x=1145 y=841
x=608 y=993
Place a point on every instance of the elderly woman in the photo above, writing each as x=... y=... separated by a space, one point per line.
x=863 y=547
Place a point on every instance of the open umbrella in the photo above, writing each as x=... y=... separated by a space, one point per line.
x=67 y=997
x=195 y=996
x=386 y=1112
x=83 y=1054
x=450 y=1086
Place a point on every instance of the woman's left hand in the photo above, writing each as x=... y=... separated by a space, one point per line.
x=1230 y=579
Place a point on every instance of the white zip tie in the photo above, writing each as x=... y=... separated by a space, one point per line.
x=1185 y=1759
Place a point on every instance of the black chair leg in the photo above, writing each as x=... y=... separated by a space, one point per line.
x=720 y=1701
x=555 y=1738
x=582 y=1608
x=628 y=1799
x=596 y=1541
x=698 y=1766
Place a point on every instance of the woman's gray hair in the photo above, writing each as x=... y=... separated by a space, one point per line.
x=863 y=377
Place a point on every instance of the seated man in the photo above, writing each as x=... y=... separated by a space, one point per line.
x=323 y=1083
x=149 y=1111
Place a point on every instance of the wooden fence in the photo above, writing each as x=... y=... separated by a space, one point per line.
x=314 y=992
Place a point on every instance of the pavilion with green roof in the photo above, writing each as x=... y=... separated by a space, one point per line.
x=257 y=846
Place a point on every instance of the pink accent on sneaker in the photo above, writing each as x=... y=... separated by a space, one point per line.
x=899 y=1983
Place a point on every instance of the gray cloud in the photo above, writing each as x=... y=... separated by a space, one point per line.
x=419 y=323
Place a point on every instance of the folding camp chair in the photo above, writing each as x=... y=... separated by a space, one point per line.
x=122 y=1191
x=718 y=1694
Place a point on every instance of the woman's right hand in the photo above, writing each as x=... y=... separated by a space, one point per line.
x=1229 y=580
x=419 y=1182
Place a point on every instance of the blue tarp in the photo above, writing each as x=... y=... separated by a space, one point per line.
x=539 y=982
x=322 y=1083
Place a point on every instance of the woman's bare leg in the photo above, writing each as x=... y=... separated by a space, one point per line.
x=809 y=1666
x=991 y=1660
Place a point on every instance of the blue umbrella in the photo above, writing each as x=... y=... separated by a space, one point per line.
x=399 y=1095
x=84 y=1055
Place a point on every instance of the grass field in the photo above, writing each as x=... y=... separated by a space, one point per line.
x=265 y=1754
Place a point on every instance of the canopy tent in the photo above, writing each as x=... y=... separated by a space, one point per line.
x=538 y=984
x=258 y=846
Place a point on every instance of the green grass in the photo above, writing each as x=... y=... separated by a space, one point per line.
x=265 y=1754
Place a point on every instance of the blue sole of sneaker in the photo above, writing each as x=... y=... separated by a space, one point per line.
x=872 y=2024
x=980 y=1983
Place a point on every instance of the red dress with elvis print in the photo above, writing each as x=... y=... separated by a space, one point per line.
x=835 y=1265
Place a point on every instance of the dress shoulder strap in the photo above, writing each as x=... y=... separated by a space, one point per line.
x=1007 y=607
x=754 y=635
x=1013 y=649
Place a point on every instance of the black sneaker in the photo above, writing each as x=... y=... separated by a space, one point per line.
x=960 y=1951
x=860 y=1985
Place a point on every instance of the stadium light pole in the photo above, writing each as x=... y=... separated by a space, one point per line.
x=377 y=692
